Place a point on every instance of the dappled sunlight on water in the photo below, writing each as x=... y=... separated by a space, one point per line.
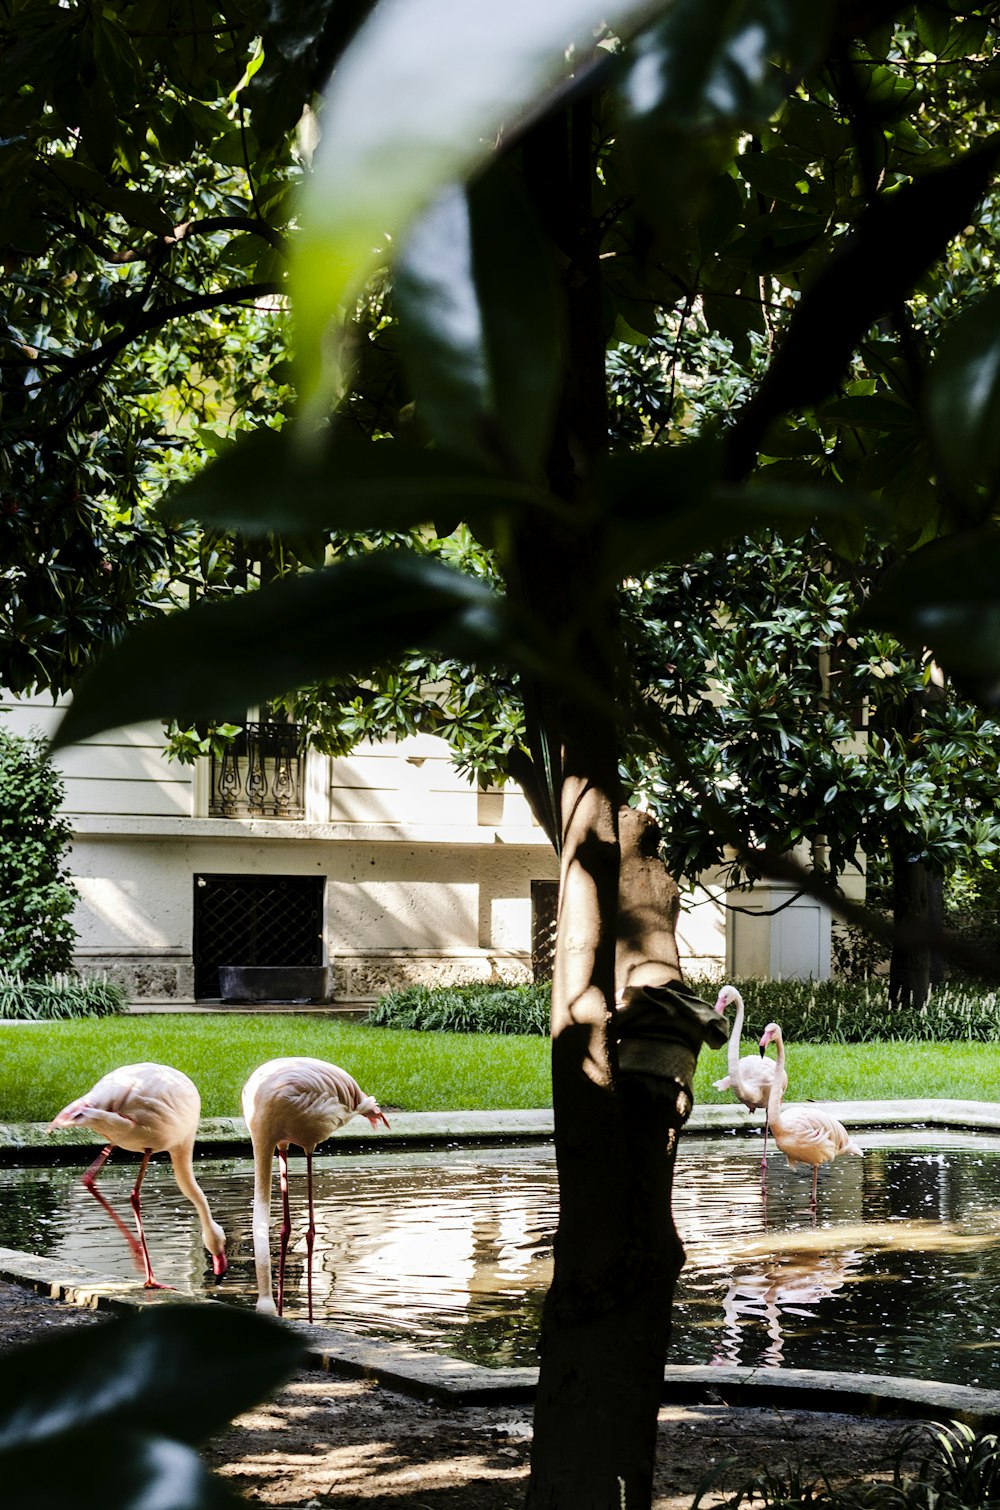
x=898 y=1271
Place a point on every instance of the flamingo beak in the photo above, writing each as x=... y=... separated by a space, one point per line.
x=378 y=1117
x=219 y=1264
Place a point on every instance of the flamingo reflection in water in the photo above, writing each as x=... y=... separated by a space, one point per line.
x=785 y=1289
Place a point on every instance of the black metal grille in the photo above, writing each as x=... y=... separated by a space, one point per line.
x=255 y=920
x=544 y=917
x=261 y=774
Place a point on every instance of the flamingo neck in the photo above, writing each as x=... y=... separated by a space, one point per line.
x=734 y=1037
x=777 y=1084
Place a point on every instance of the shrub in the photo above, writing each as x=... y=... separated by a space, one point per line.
x=809 y=1011
x=36 y=901
x=59 y=996
x=836 y=1011
x=478 y=1007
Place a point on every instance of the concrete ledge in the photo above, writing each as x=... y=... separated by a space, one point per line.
x=30 y=1141
x=432 y=1376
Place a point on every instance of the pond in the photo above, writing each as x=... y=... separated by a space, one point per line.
x=899 y=1272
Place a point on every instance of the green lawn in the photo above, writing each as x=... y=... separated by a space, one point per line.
x=44 y=1065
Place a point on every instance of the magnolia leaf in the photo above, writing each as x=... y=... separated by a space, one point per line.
x=669 y=505
x=898 y=237
x=214 y=660
x=188 y=1369
x=104 y=1469
x=945 y=598
x=710 y=63
x=265 y=484
x=963 y=397
x=480 y=329
x=707 y=70
x=416 y=102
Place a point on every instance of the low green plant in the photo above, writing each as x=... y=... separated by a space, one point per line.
x=478 y=1007
x=958 y=1470
x=830 y=1011
x=57 y=996
x=836 y=1011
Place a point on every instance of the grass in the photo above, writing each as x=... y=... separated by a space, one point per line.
x=43 y=1065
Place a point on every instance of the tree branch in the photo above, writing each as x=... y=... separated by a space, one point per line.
x=153 y=319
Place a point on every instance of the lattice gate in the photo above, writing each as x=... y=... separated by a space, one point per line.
x=544 y=915
x=255 y=920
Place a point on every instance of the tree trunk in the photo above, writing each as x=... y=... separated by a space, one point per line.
x=910 y=963
x=617 y=1110
x=606 y=1323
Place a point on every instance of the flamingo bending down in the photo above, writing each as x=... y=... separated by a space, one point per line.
x=147 y=1108
x=750 y=1078
x=804 y=1134
x=300 y=1101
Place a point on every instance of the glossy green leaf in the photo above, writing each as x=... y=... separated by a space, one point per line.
x=479 y=311
x=900 y=235
x=707 y=70
x=868 y=412
x=105 y=1469
x=714 y=62
x=265 y=483
x=946 y=598
x=669 y=505
x=188 y=1369
x=963 y=397
x=212 y=661
x=442 y=334
x=415 y=103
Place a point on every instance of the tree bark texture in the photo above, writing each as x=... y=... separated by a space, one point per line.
x=621 y=1079
x=622 y=1092
x=910 y=962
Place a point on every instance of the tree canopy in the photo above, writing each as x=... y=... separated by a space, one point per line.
x=497 y=195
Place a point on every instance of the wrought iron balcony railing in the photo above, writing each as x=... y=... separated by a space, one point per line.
x=261 y=774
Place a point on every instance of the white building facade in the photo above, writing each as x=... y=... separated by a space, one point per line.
x=386 y=867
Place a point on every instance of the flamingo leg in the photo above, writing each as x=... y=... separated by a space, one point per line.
x=151 y=1283
x=763 y=1162
x=90 y=1183
x=310 y=1232
x=286 y=1224
x=815 y=1179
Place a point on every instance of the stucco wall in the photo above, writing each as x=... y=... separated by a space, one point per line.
x=427 y=877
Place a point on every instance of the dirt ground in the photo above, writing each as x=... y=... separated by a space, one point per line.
x=350 y=1445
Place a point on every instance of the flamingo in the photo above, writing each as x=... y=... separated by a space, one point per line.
x=147 y=1109
x=300 y=1101
x=751 y=1077
x=804 y=1134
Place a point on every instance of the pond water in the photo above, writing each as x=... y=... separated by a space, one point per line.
x=899 y=1272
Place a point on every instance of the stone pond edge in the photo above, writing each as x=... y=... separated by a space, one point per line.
x=451 y=1381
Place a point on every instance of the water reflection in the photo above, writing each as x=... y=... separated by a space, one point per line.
x=899 y=1271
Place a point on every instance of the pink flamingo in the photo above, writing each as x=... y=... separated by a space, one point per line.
x=750 y=1078
x=147 y=1108
x=300 y=1101
x=804 y=1134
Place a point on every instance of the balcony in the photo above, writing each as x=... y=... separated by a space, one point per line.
x=261 y=774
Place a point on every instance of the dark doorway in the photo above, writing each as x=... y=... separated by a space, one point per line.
x=544 y=916
x=255 y=920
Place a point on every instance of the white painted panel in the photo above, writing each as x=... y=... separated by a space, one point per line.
x=389 y=768
x=365 y=805
x=24 y=720
x=167 y=799
x=107 y=762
